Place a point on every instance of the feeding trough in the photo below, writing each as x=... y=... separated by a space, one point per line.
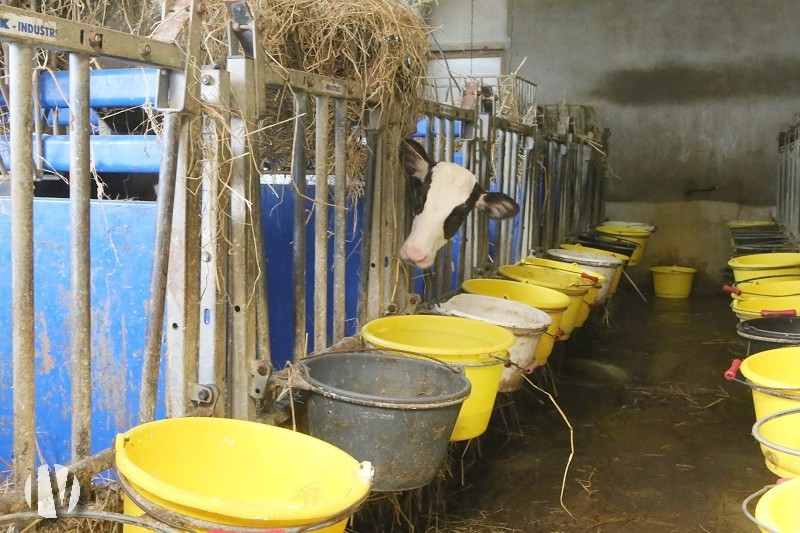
x=672 y=281
x=759 y=265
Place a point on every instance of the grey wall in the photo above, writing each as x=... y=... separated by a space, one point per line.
x=695 y=93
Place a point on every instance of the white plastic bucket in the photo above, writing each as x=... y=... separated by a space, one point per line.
x=527 y=323
x=604 y=264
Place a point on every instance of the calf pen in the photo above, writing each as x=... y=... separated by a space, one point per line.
x=194 y=320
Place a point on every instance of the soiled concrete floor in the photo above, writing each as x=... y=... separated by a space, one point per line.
x=662 y=442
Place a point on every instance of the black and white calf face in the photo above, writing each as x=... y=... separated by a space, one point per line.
x=442 y=195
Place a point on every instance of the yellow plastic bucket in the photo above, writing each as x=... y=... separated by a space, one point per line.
x=766 y=307
x=592 y=294
x=629 y=233
x=564 y=282
x=779 y=435
x=550 y=301
x=479 y=348
x=672 y=281
x=770 y=264
x=774 y=376
x=622 y=257
x=239 y=473
x=766 y=289
x=777 y=508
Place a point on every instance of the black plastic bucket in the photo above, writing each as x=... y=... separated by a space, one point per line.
x=396 y=412
x=609 y=244
x=761 y=334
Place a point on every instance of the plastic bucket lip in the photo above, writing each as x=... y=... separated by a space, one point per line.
x=758 y=329
x=337 y=393
x=585 y=257
x=624 y=224
x=563 y=281
x=673 y=270
x=624 y=231
x=570 y=268
x=432 y=325
x=773 y=260
x=518 y=317
x=754 y=307
x=267 y=512
x=753 y=368
x=586 y=248
x=775 y=289
x=773 y=498
x=542 y=298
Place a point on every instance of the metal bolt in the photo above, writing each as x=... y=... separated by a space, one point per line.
x=144 y=50
x=263 y=370
x=203 y=395
x=205 y=79
x=200 y=8
x=413 y=299
x=95 y=39
x=391 y=308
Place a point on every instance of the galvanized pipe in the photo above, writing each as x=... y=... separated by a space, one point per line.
x=367 y=267
x=299 y=231
x=81 y=305
x=20 y=60
x=321 y=225
x=340 y=217
x=158 y=275
x=503 y=170
x=513 y=185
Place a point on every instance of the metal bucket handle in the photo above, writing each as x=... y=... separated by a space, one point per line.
x=730 y=375
x=769 y=444
x=145 y=522
x=190 y=524
x=750 y=516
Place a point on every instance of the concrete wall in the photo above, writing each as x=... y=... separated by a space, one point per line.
x=695 y=93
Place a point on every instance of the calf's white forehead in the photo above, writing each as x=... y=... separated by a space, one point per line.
x=451 y=186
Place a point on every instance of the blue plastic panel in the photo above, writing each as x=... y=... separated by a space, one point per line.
x=111 y=153
x=121 y=254
x=278 y=205
x=422 y=127
x=116 y=88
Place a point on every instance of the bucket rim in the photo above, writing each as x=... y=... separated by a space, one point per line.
x=747 y=329
x=500 y=343
x=573 y=285
x=537 y=320
x=139 y=477
x=763 y=493
x=572 y=267
x=756 y=431
x=767 y=384
x=370 y=400
x=586 y=257
x=673 y=269
x=552 y=295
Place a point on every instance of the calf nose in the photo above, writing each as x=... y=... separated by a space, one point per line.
x=415 y=255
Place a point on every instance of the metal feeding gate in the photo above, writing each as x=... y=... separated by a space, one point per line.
x=237 y=268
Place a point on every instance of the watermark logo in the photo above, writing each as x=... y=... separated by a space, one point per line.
x=49 y=486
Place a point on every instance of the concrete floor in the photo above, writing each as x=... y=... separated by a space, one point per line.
x=661 y=441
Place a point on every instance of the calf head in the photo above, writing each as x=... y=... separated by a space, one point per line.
x=442 y=195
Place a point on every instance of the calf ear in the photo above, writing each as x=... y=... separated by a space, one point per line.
x=415 y=160
x=497 y=205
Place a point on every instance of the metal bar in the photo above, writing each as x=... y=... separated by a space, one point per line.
x=370 y=244
x=501 y=162
x=299 y=232
x=242 y=265
x=447 y=111
x=158 y=277
x=215 y=216
x=340 y=217
x=80 y=192
x=513 y=253
x=54 y=33
x=312 y=84
x=20 y=61
x=321 y=225
x=37 y=125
